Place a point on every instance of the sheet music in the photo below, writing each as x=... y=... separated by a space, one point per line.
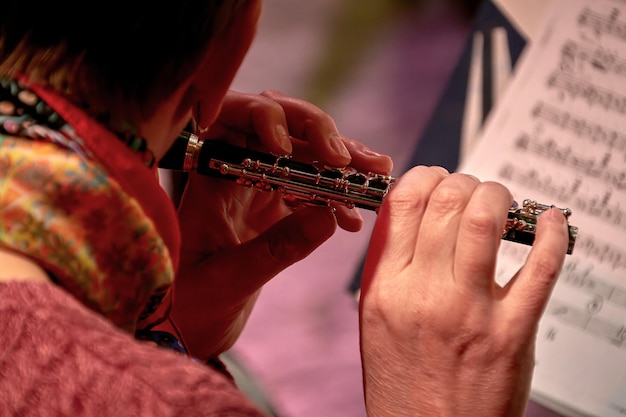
x=559 y=137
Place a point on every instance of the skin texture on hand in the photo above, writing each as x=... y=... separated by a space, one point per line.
x=235 y=239
x=439 y=337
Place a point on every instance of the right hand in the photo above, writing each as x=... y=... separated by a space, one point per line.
x=234 y=238
x=439 y=337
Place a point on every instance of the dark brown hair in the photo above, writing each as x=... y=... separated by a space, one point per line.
x=108 y=52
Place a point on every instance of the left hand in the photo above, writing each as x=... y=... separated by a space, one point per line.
x=439 y=335
x=235 y=239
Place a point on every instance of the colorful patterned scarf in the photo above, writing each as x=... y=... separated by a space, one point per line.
x=84 y=205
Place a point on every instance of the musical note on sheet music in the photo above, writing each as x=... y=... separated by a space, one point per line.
x=560 y=134
x=573 y=88
x=596 y=295
x=589 y=165
x=603 y=23
x=584 y=129
x=576 y=55
x=585 y=319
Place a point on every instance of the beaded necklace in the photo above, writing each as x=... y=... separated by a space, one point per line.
x=24 y=114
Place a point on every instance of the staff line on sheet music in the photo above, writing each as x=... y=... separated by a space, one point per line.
x=602 y=23
x=574 y=54
x=598 y=134
x=605 y=253
x=587 y=165
x=610 y=331
x=583 y=279
x=568 y=191
x=575 y=88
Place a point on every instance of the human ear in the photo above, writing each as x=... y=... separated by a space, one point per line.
x=223 y=59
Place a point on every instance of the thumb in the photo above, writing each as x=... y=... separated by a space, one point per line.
x=285 y=243
x=292 y=239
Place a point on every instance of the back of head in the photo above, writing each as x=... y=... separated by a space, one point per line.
x=103 y=54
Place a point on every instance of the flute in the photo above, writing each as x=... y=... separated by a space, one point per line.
x=310 y=184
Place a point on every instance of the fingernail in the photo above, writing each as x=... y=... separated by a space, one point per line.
x=556 y=215
x=368 y=151
x=283 y=138
x=338 y=146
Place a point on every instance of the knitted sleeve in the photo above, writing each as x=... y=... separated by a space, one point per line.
x=59 y=358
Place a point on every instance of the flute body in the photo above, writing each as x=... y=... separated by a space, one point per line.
x=314 y=185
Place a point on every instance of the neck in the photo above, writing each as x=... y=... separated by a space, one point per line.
x=159 y=129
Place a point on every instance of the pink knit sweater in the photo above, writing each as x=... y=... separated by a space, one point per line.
x=58 y=358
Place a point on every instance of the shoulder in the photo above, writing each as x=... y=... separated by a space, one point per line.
x=19 y=267
x=51 y=337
